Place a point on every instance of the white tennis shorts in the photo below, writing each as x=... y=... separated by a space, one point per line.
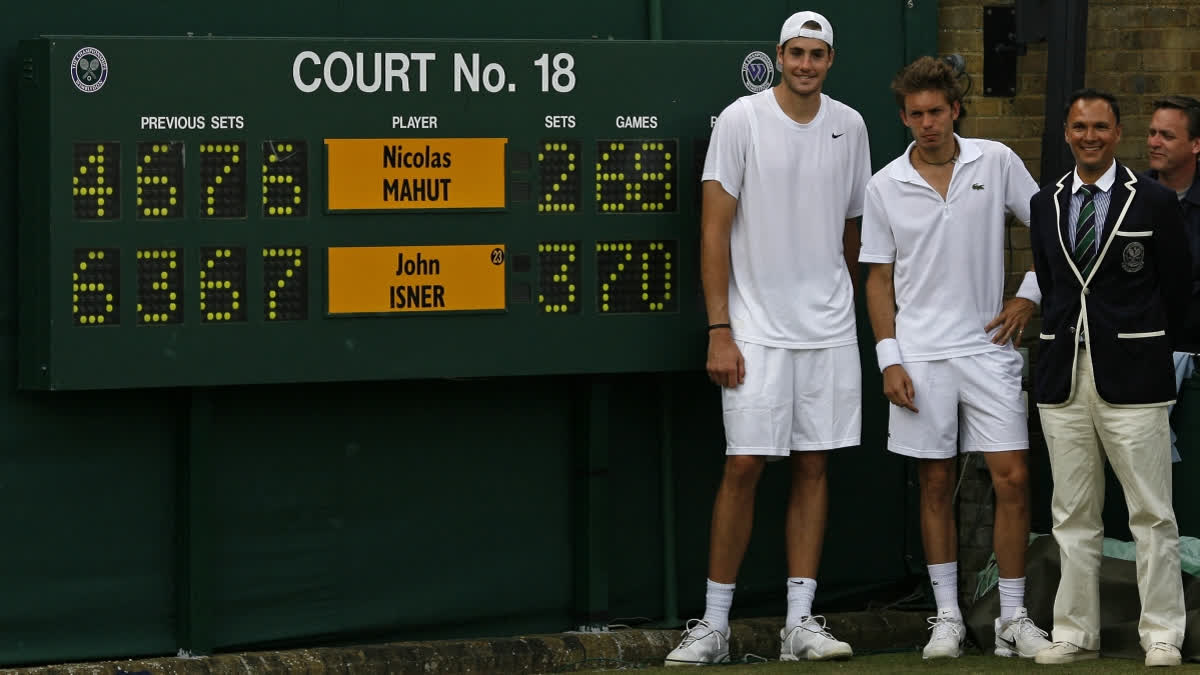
x=794 y=400
x=973 y=402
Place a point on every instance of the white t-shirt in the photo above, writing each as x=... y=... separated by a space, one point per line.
x=948 y=254
x=796 y=185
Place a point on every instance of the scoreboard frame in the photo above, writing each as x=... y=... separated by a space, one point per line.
x=620 y=293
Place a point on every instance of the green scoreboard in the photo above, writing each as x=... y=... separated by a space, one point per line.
x=212 y=211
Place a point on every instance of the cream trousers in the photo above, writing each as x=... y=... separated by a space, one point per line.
x=1137 y=443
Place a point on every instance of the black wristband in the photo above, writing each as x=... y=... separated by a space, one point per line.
x=715 y=326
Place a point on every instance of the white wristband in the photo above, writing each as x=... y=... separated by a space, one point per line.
x=887 y=352
x=1029 y=288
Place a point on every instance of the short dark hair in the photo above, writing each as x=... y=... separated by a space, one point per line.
x=926 y=74
x=1189 y=106
x=1090 y=94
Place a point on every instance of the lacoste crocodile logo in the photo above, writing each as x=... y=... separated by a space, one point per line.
x=977 y=186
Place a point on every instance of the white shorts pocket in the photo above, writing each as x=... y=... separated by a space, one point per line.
x=755 y=431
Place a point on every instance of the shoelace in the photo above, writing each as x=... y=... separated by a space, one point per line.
x=1066 y=648
x=940 y=625
x=1027 y=626
x=819 y=622
x=690 y=626
x=1166 y=646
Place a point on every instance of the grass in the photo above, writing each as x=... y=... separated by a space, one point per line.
x=910 y=662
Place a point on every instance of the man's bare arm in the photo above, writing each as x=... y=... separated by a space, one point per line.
x=881 y=307
x=881 y=301
x=716 y=224
x=725 y=365
x=1013 y=318
x=851 y=243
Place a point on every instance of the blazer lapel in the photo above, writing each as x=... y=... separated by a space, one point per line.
x=1123 y=191
x=1062 y=215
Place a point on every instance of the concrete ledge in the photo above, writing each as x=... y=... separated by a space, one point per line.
x=865 y=631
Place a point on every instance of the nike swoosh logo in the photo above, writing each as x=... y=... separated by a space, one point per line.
x=1010 y=643
x=839 y=135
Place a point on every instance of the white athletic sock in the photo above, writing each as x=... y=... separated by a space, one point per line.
x=1012 y=596
x=945 y=588
x=717 y=601
x=800 y=592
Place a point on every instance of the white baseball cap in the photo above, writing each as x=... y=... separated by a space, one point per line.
x=793 y=28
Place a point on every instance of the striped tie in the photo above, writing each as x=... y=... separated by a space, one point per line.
x=1085 y=232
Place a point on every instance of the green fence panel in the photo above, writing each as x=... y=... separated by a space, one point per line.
x=87 y=486
x=390 y=512
x=220 y=517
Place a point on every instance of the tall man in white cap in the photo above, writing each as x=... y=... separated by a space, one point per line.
x=783 y=183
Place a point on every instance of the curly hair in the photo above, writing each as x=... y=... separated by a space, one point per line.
x=926 y=74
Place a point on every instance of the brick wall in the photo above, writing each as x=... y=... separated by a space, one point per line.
x=1139 y=50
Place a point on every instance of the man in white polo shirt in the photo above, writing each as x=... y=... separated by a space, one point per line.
x=783 y=183
x=934 y=230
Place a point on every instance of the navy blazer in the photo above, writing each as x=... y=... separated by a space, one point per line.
x=1134 y=303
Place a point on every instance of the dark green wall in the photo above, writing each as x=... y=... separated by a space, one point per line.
x=139 y=522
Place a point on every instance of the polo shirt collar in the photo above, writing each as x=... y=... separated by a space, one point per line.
x=905 y=172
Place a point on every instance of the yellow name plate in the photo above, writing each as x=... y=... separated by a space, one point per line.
x=386 y=279
x=377 y=174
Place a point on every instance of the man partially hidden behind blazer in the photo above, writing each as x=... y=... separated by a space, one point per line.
x=1114 y=268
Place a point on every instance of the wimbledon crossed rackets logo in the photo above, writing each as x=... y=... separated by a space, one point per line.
x=89 y=70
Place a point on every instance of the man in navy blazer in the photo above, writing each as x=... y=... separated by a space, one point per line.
x=1113 y=264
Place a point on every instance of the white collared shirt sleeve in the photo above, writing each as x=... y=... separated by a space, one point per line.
x=878 y=240
x=1019 y=187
